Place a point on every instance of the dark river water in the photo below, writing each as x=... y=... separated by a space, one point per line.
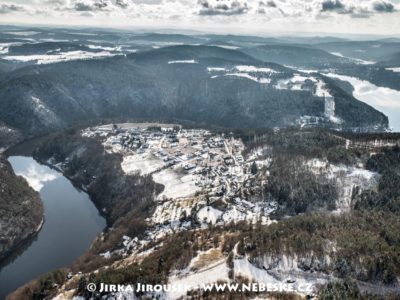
x=71 y=223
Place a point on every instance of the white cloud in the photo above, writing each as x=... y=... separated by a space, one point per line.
x=368 y=16
x=223 y=7
x=6 y=8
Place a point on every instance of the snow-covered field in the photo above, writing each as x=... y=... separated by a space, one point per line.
x=217 y=271
x=22 y=33
x=289 y=280
x=175 y=186
x=96 y=47
x=209 y=214
x=189 y=61
x=258 y=74
x=253 y=69
x=297 y=81
x=216 y=69
x=226 y=47
x=294 y=83
x=396 y=70
x=210 y=266
x=143 y=164
x=249 y=212
x=287 y=277
x=356 y=60
x=4 y=46
x=248 y=76
x=264 y=75
x=59 y=57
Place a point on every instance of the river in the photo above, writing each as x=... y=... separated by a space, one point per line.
x=71 y=224
x=384 y=99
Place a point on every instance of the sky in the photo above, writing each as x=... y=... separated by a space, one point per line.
x=228 y=16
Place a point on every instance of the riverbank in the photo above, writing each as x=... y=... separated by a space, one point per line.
x=71 y=224
x=383 y=99
x=21 y=213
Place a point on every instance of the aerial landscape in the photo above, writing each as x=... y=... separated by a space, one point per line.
x=211 y=149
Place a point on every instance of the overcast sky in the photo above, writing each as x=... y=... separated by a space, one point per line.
x=233 y=16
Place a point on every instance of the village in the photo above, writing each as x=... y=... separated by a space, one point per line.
x=206 y=178
x=210 y=179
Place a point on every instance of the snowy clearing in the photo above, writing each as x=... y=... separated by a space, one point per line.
x=216 y=69
x=243 y=68
x=59 y=57
x=226 y=47
x=217 y=271
x=142 y=164
x=246 y=75
x=289 y=280
x=175 y=186
x=209 y=214
x=396 y=70
x=355 y=60
x=190 y=61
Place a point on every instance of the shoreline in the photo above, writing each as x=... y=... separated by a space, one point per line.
x=10 y=255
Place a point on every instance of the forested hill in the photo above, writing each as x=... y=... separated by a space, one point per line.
x=21 y=210
x=203 y=84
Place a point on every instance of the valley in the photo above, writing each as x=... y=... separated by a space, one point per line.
x=193 y=158
x=222 y=81
x=222 y=216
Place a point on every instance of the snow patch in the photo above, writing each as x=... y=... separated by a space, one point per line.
x=142 y=164
x=195 y=280
x=246 y=71
x=227 y=47
x=396 y=70
x=59 y=57
x=246 y=75
x=355 y=60
x=244 y=268
x=96 y=47
x=216 y=69
x=175 y=186
x=22 y=33
x=243 y=68
x=209 y=214
x=337 y=54
x=190 y=61
x=288 y=277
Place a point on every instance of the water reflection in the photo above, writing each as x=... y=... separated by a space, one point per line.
x=71 y=224
x=36 y=175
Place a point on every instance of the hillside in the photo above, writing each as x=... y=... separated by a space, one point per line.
x=293 y=205
x=8 y=136
x=293 y=55
x=390 y=61
x=203 y=84
x=365 y=50
x=21 y=210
